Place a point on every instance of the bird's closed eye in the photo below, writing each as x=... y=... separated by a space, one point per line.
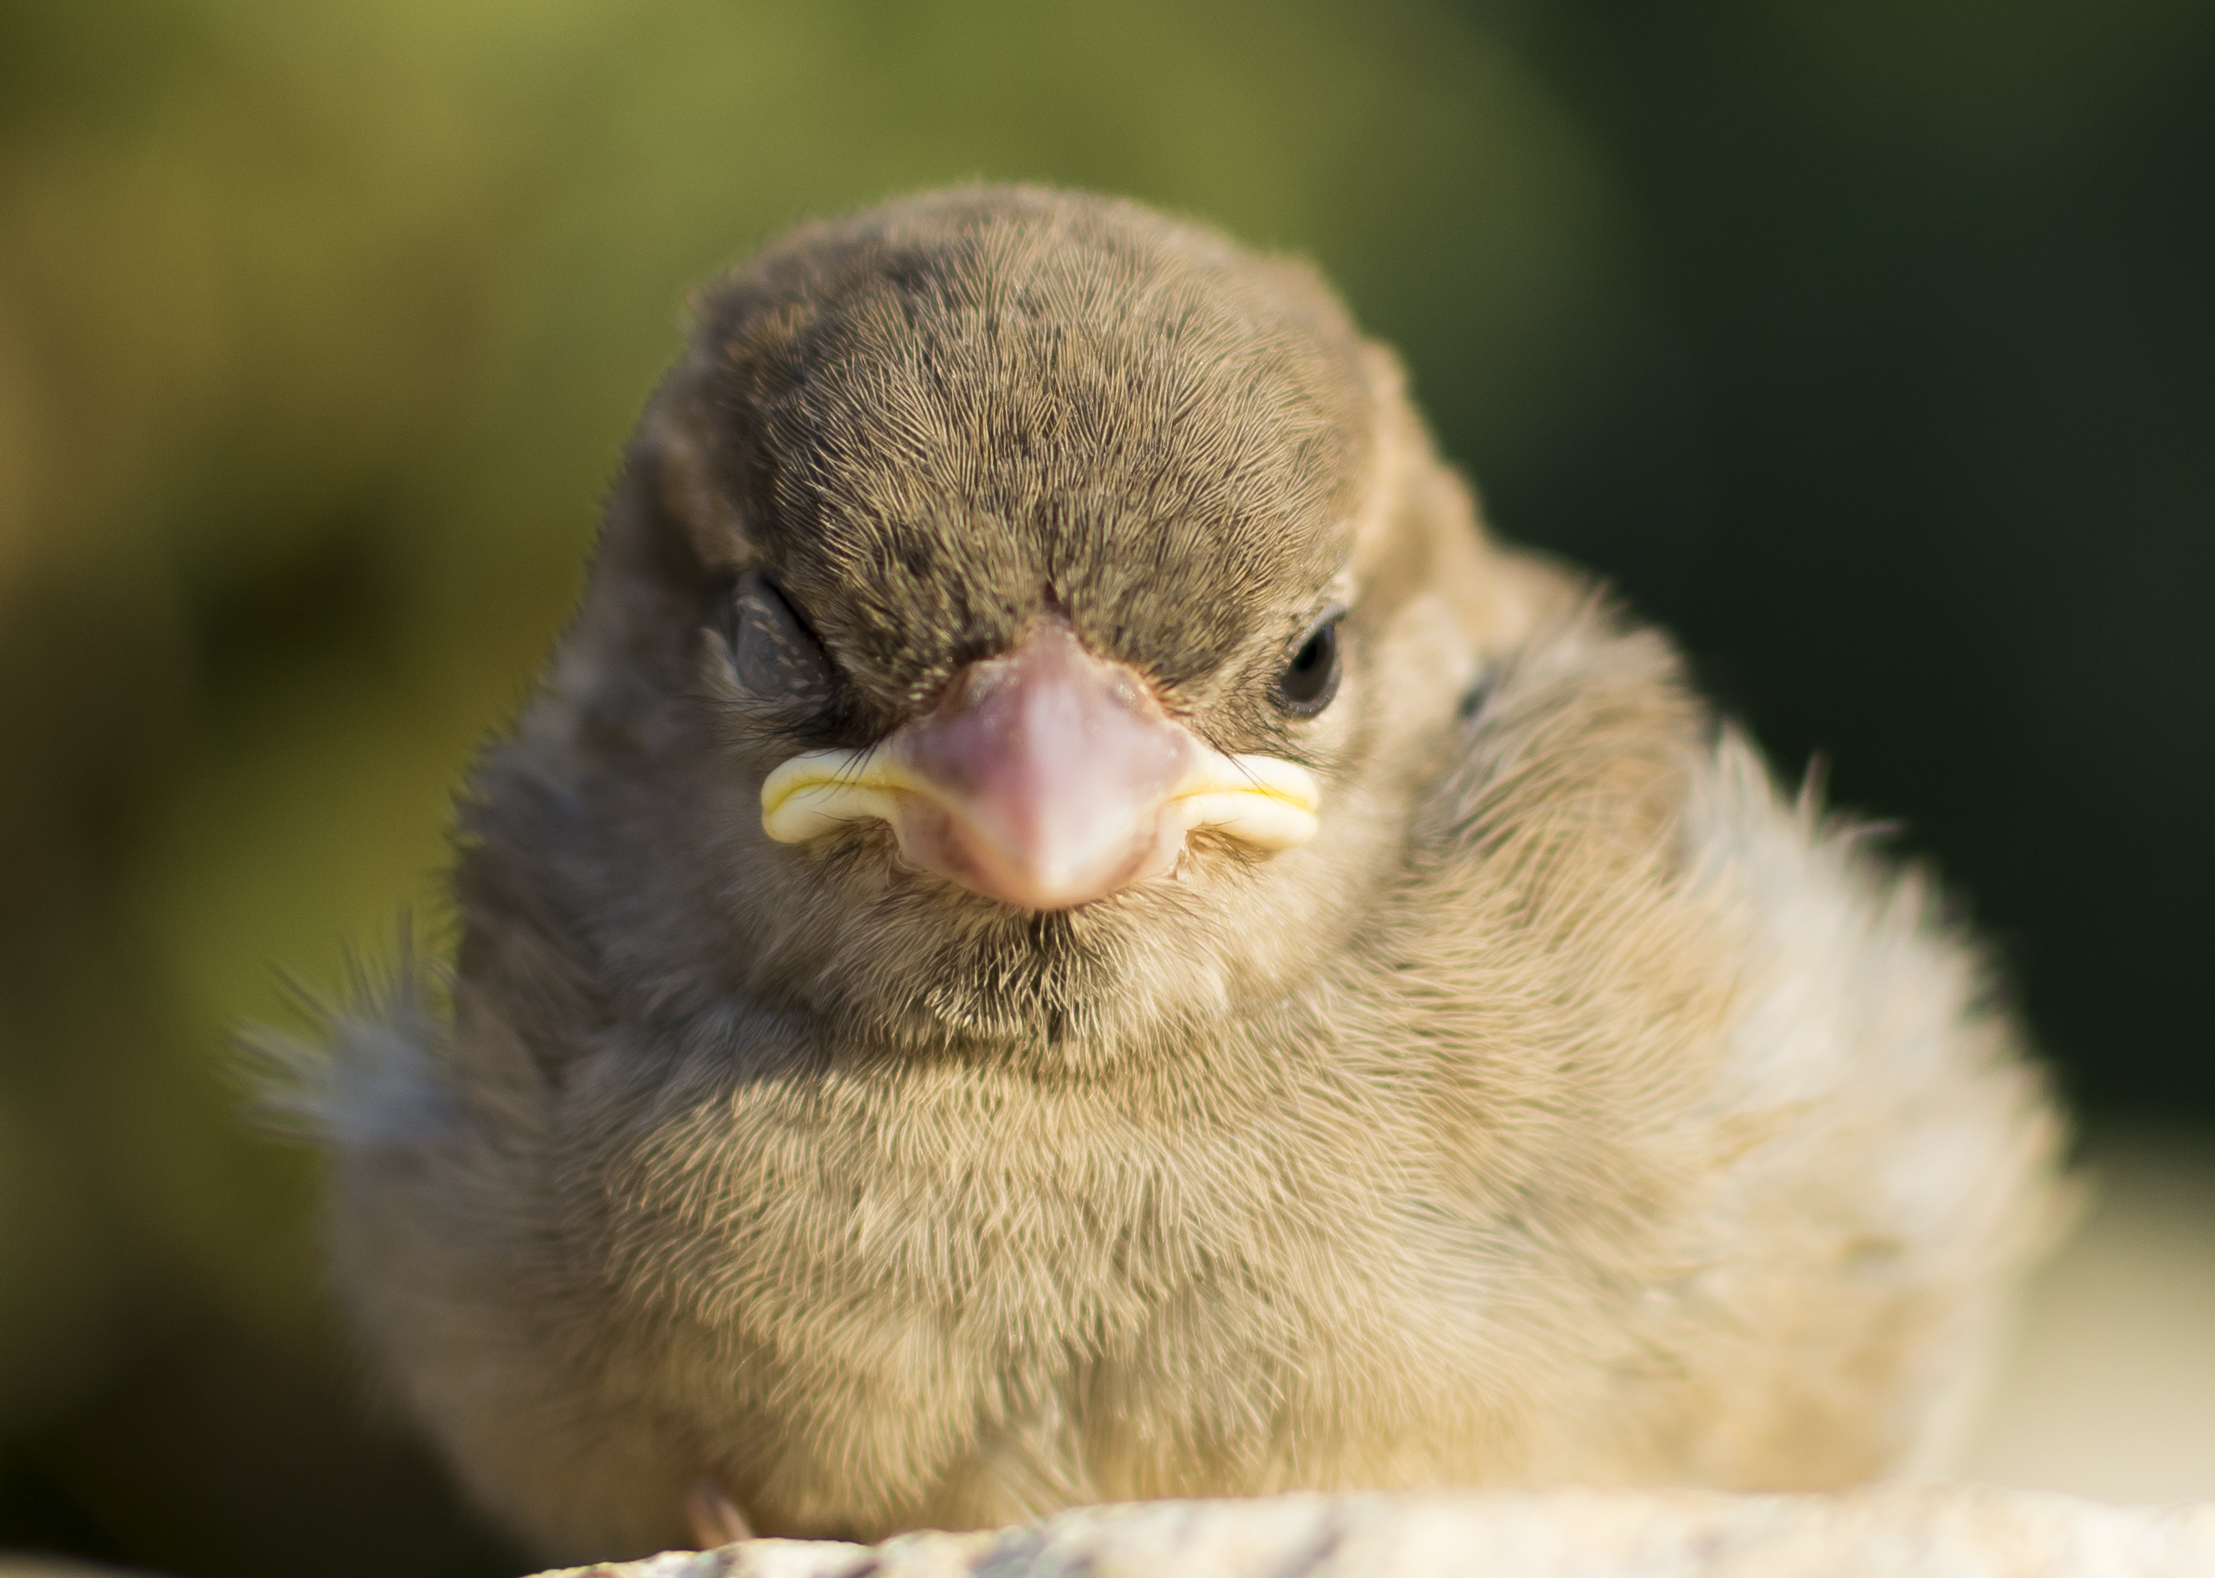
x=1310 y=679
x=776 y=656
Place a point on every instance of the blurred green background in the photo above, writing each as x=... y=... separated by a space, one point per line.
x=1870 y=345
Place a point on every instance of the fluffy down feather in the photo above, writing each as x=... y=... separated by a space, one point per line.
x=1570 y=1108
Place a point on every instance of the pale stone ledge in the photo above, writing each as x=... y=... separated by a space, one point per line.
x=1890 y=1531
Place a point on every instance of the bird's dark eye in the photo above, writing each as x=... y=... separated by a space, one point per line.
x=776 y=656
x=1310 y=680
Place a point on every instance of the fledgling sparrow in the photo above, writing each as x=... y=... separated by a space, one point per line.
x=1066 y=926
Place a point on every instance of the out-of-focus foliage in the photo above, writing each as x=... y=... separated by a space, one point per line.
x=1869 y=345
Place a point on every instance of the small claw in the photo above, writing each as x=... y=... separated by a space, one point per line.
x=715 y=1518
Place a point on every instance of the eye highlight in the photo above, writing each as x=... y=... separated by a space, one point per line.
x=775 y=655
x=1310 y=679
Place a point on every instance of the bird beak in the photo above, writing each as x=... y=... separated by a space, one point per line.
x=1045 y=779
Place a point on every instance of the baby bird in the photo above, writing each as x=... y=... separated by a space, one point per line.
x=1066 y=926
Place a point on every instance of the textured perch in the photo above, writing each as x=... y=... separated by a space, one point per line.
x=1894 y=1531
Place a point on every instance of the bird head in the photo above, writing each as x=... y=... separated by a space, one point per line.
x=1021 y=615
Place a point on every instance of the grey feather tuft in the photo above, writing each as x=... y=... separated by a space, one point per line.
x=375 y=1075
